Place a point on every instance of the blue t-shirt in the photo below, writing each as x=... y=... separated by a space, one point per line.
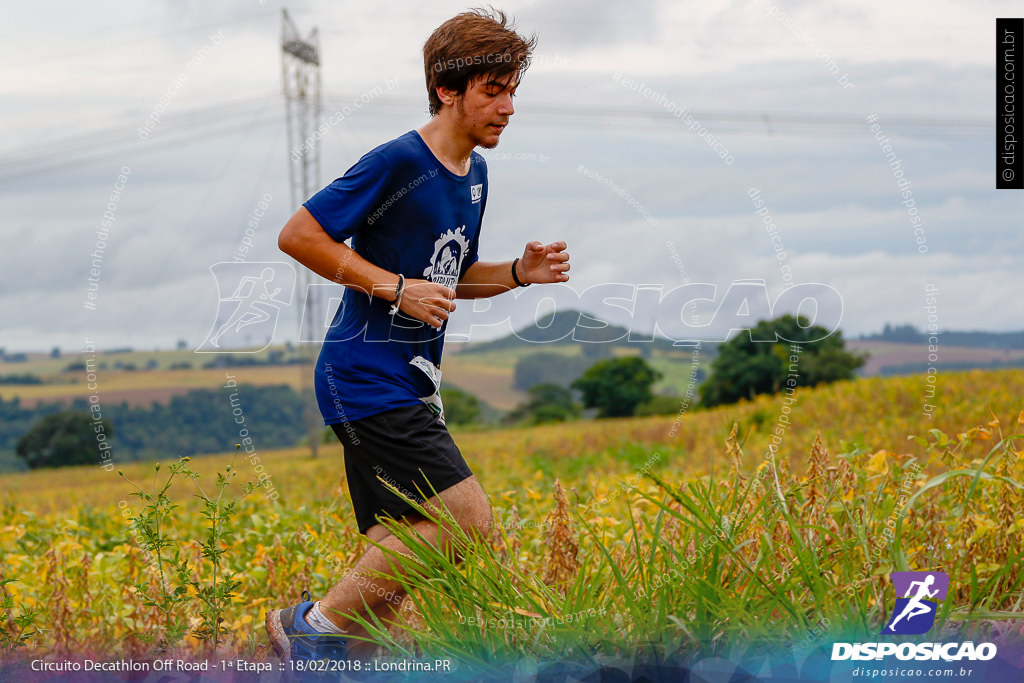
x=408 y=214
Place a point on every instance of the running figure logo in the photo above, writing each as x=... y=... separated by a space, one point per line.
x=914 y=613
x=248 y=316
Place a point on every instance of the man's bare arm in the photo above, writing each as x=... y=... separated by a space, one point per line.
x=539 y=264
x=484 y=279
x=305 y=240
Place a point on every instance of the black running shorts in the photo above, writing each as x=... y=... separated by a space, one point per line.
x=406 y=447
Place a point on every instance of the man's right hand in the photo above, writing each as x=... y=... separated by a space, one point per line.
x=427 y=301
x=308 y=243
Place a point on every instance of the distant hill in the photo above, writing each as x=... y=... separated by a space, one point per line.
x=908 y=334
x=570 y=328
x=558 y=328
x=900 y=358
x=904 y=350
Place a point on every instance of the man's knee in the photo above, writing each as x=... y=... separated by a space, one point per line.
x=476 y=514
x=477 y=521
x=469 y=506
x=377 y=532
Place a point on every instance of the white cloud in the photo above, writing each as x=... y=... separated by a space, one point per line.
x=829 y=189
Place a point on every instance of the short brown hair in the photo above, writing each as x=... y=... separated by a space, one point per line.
x=472 y=44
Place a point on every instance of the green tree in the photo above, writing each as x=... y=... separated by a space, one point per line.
x=460 y=407
x=62 y=439
x=745 y=368
x=547 y=403
x=617 y=386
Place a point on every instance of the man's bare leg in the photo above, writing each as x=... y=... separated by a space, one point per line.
x=472 y=511
x=386 y=612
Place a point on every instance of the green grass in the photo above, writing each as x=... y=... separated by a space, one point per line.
x=712 y=584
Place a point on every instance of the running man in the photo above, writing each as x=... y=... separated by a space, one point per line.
x=413 y=208
x=914 y=606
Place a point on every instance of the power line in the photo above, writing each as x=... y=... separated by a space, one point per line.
x=117 y=133
x=219 y=119
x=176 y=237
x=758 y=122
x=117 y=141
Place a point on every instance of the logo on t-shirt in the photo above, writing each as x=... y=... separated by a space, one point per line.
x=476 y=192
x=446 y=263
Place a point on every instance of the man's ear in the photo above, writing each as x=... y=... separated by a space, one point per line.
x=446 y=95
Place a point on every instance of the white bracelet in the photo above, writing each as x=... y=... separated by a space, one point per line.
x=399 y=291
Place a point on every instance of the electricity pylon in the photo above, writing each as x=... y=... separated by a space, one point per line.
x=300 y=71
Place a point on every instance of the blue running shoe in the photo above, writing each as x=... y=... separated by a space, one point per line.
x=294 y=639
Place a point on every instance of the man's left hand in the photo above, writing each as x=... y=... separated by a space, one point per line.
x=544 y=263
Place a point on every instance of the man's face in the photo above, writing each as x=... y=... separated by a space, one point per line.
x=484 y=111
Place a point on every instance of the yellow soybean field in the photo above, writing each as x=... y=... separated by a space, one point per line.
x=774 y=521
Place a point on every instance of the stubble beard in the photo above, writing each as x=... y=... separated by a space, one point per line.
x=477 y=141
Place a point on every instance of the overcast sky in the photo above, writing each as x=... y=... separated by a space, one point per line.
x=784 y=87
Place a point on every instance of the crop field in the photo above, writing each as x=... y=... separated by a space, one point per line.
x=883 y=354
x=488 y=375
x=666 y=533
x=143 y=387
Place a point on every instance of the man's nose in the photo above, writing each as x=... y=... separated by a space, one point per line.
x=505 y=108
